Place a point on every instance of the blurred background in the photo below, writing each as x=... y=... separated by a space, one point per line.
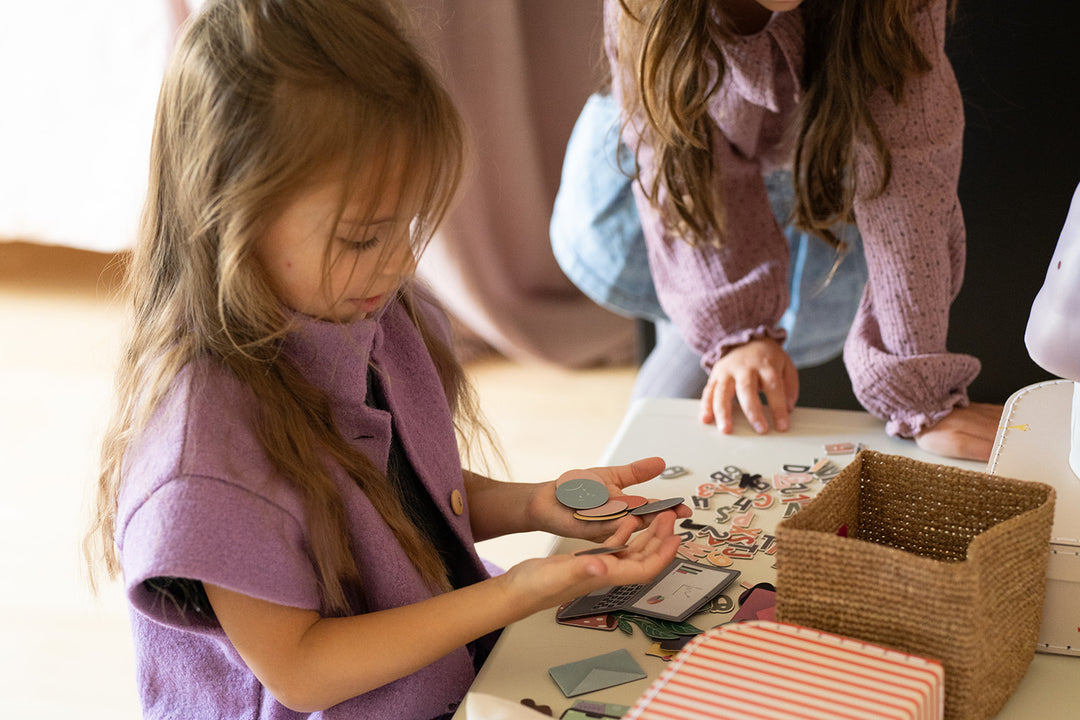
x=78 y=83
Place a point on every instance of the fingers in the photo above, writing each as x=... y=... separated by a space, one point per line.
x=980 y=420
x=645 y=469
x=748 y=387
x=645 y=555
x=705 y=408
x=986 y=410
x=963 y=446
x=648 y=539
x=760 y=368
x=723 y=404
x=632 y=473
x=746 y=390
x=717 y=401
x=653 y=538
x=977 y=418
x=781 y=391
x=626 y=527
x=791 y=386
x=967 y=433
x=658 y=543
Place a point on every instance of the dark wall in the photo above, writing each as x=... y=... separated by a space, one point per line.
x=1018 y=67
x=1019 y=70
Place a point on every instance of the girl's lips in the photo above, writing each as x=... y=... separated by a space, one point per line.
x=370 y=304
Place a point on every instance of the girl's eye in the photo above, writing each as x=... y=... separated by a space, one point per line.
x=361 y=245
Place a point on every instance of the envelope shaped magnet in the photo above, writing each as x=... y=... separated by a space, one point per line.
x=596 y=673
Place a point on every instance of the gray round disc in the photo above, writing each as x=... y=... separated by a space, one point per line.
x=582 y=493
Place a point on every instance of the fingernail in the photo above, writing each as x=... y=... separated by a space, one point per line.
x=760 y=427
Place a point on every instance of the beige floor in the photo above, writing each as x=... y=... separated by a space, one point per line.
x=67 y=654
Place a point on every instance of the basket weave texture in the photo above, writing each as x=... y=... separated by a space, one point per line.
x=939 y=562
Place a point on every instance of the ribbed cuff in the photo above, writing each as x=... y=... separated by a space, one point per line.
x=911 y=424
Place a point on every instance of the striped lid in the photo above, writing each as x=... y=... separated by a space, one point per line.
x=766 y=670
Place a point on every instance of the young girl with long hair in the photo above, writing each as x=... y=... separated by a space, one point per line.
x=281 y=485
x=856 y=105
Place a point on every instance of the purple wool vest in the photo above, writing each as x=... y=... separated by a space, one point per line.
x=200 y=500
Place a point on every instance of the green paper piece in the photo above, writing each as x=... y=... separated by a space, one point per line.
x=685 y=628
x=654 y=628
x=596 y=673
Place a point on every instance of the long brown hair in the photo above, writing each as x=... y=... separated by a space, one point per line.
x=673 y=64
x=261 y=98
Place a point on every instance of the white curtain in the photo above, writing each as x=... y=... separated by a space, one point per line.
x=78 y=85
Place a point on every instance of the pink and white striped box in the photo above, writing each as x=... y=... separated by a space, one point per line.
x=768 y=670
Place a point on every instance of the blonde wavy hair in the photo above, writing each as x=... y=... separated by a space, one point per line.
x=671 y=53
x=260 y=99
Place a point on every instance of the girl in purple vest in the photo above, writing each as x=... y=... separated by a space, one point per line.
x=851 y=107
x=281 y=487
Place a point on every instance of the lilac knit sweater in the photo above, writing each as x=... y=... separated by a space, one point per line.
x=913 y=233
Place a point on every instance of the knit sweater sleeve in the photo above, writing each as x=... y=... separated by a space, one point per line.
x=913 y=235
x=718 y=297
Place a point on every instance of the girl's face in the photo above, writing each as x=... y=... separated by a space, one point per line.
x=369 y=255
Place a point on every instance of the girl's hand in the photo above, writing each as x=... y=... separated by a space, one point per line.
x=967 y=433
x=759 y=366
x=541 y=583
x=549 y=515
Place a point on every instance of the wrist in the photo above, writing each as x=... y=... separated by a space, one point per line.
x=739 y=338
x=511 y=593
x=533 y=506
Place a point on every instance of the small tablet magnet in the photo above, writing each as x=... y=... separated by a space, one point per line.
x=581 y=493
x=657 y=506
x=611 y=507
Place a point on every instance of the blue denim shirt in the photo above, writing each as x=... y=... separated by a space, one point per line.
x=597 y=240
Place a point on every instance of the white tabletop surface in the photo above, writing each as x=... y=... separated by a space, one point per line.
x=517 y=668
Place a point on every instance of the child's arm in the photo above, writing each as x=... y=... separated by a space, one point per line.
x=897 y=354
x=501 y=508
x=310 y=663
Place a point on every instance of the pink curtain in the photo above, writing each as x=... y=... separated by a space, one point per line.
x=520 y=71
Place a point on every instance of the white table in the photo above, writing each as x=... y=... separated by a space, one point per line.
x=518 y=665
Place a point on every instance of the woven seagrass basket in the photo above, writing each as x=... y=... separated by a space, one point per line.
x=931 y=560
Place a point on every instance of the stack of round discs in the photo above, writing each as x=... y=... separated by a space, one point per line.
x=592 y=502
x=613 y=509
